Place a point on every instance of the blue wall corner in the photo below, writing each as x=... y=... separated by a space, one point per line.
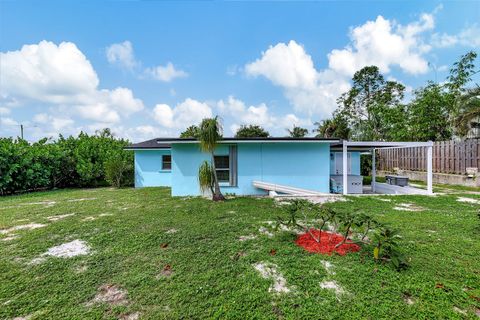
x=148 y=169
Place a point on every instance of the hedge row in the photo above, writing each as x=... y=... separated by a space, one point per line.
x=83 y=161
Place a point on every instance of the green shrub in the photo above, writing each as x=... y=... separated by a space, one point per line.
x=66 y=162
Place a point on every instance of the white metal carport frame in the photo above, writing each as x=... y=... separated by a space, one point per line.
x=372 y=146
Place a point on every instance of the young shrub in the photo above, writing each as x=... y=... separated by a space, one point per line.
x=118 y=169
x=206 y=177
x=386 y=247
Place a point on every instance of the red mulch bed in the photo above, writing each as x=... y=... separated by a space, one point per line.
x=327 y=244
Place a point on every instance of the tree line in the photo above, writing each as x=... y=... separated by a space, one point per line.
x=375 y=109
x=82 y=161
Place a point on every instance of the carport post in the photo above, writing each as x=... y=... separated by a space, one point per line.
x=344 y=167
x=429 y=168
x=374 y=172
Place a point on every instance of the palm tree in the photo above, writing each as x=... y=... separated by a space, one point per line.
x=209 y=134
x=468 y=111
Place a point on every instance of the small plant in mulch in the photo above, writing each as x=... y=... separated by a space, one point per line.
x=350 y=230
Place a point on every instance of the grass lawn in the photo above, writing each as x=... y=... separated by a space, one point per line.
x=182 y=258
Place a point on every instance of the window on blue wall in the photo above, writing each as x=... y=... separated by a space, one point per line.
x=222 y=166
x=166 y=162
x=226 y=167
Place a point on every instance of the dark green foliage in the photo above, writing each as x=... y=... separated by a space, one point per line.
x=251 y=131
x=191 y=132
x=297 y=132
x=386 y=247
x=119 y=169
x=337 y=127
x=373 y=109
x=428 y=114
x=66 y=162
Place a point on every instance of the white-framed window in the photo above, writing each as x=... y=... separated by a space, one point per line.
x=226 y=167
x=222 y=166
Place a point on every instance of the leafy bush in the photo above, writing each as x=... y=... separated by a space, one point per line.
x=67 y=162
x=119 y=169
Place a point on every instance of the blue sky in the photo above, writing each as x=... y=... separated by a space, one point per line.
x=151 y=68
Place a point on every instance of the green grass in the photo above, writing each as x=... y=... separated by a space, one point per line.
x=213 y=276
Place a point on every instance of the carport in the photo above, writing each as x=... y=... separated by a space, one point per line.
x=371 y=147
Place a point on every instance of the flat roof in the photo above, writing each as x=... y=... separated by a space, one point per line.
x=165 y=143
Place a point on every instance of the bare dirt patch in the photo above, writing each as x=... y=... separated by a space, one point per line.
x=328 y=266
x=47 y=203
x=265 y=231
x=60 y=217
x=408 y=299
x=170 y=231
x=29 y=226
x=130 y=316
x=166 y=272
x=269 y=271
x=468 y=200
x=10 y=237
x=407 y=207
x=248 y=237
x=334 y=286
x=67 y=250
x=81 y=199
x=110 y=294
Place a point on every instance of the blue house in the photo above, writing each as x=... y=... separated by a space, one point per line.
x=244 y=164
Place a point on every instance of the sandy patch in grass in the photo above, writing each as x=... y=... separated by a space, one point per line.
x=265 y=231
x=246 y=238
x=384 y=199
x=47 y=203
x=67 y=250
x=269 y=271
x=29 y=226
x=165 y=273
x=458 y=310
x=105 y=214
x=130 y=316
x=170 y=231
x=468 y=200
x=24 y=317
x=328 y=266
x=81 y=199
x=407 y=207
x=10 y=237
x=60 y=217
x=408 y=299
x=334 y=286
x=110 y=294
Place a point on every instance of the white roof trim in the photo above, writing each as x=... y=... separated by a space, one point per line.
x=387 y=144
x=254 y=141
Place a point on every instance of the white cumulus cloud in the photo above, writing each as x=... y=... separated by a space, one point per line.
x=467 y=37
x=239 y=114
x=187 y=113
x=380 y=42
x=166 y=73
x=121 y=54
x=61 y=75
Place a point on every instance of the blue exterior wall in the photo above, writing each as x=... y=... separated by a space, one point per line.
x=355 y=160
x=302 y=165
x=148 y=169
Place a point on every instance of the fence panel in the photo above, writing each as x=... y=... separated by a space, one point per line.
x=448 y=157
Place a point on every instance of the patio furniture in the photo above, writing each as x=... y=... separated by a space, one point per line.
x=401 y=181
